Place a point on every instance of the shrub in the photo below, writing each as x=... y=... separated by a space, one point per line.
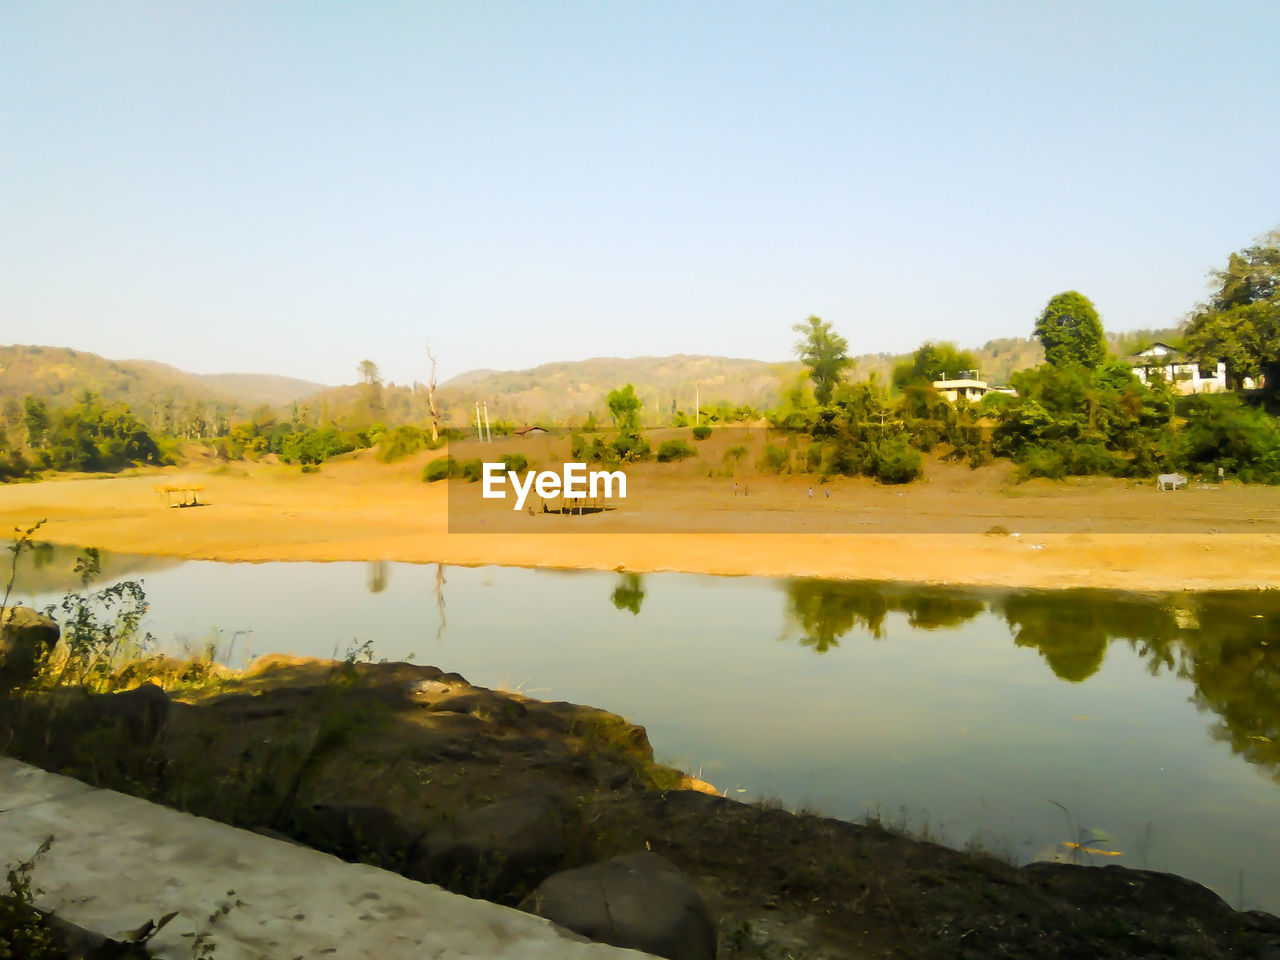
x=895 y=461
x=813 y=458
x=515 y=462
x=1221 y=431
x=400 y=443
x=631 y=446
x=845 y=459
x=701 y=432
x=674 y=450
x=1038 y=461
x=472 y=470
x=776 y=459
x=441 y=469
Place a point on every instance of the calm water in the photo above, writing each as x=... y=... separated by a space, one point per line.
x=1154 y=719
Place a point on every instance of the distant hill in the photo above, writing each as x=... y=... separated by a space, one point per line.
x=558 y=392
x=60 y=375
x=561 y=392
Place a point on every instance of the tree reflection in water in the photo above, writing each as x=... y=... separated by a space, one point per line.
x=1226 y=643
x=823 y=611
x=629 y=593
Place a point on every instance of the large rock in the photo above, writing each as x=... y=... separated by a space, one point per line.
x=360 y=833
x=141 y=712
x=639 y=900
x=498 y=851
x=26 y=637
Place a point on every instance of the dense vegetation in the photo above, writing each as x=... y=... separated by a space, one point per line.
x=1076 y=406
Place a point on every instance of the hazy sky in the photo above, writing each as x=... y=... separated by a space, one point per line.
x=292 y=187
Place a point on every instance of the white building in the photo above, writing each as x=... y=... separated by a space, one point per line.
x=1161 y=360
x=967 y=386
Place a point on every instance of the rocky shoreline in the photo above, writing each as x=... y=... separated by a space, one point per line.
x=531 y=803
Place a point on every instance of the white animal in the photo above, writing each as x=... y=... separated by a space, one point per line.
x=1170 y=481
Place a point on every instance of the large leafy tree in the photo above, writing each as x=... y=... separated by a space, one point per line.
x=825 y=353
x=1240 y=325
x=1070 y=331
x=932 y=361
x=624 y=407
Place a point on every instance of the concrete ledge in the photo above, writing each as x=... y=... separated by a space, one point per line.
x=118 y=861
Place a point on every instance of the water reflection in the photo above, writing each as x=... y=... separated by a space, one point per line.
x=824 y=611
x=45 y=568
x=1226 y=643
x=377 y=576
x=629 y=593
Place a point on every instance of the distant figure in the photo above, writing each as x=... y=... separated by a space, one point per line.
x=828 y=493
x=745 y=490
x=811 y=493
x=1221 y=474
x=735 y=488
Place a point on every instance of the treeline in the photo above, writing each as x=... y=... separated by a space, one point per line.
x=86 y=436
x=1081 y=412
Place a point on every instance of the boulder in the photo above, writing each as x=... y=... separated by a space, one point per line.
x=26 y=637
x=142 y=712
x=640 y=900
x=500 y=850
x=361 y=833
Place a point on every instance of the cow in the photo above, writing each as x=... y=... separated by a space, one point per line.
x=1170 y=481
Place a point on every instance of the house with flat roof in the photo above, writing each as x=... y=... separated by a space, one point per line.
x=1186 y=374
x=967 y=385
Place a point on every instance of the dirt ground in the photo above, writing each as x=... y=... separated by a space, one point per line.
x=1089 y=532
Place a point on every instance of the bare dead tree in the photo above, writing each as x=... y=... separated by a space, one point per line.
x=440 y=598
x=431 y=398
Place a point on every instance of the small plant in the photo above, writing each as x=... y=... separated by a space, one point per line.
x=100 y=627
x=24 y=933
x=701 y=432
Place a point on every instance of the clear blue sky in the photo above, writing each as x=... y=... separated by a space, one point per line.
x=292 y=187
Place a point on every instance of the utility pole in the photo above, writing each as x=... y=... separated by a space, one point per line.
x=697 y=403
x=479 y=431
x=487 y=431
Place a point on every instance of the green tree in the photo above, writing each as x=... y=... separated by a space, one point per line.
x=1240 y=326
x=624 y=407
x=932 y=361
x=825 y=353
x=1070 y=331
x=371 y=408
x=35 y=417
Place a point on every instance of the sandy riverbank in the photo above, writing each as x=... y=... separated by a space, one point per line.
x=931 y=532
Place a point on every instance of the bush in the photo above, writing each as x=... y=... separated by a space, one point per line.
x=813 y=458
x=845 y=459
x=515 y=462
x=472 y=470
x=1040 y=461
x=895 y=461
x=701 y=432
x=776 y=459
x=441 y=469
x=400 y=443
x=631 y=447
x=674 y=450
x=1221 y=431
